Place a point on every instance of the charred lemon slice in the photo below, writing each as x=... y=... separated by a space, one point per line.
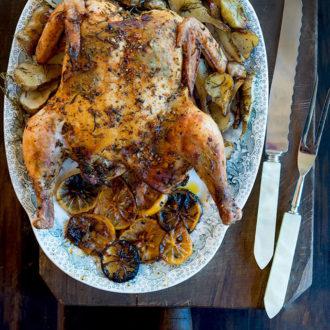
x=120 y=261
x=157 y=205
x=177 y=246
x=90 y=232
x=148 y=200
x=75 y=195
x=117 y=203
x=146 y=235
x=182 y=206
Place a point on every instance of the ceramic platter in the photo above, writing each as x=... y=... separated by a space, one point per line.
x=208 y=235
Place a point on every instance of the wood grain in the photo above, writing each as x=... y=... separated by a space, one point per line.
x=232 y=278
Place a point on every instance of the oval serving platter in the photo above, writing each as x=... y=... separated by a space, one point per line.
x=242 y=169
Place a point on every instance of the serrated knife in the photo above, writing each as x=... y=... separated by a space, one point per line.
x=280 y=102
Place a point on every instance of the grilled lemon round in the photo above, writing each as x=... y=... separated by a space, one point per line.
x=117 y=203
x=120 y=261
x=177 y=246
x=75 y=195
x=146 y=235
x=90 y=232
x=181 y=206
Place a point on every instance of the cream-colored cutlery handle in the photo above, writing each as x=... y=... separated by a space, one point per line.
x=267 y=212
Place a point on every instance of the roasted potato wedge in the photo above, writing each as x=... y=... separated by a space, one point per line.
x=202 y=73
x=245 y=41
x=57 y=59
x=223 y=121
x=29 y=36
x=155 y=4
x=220 y=86
x=176 y=5
x=247 y=100
x=195 y=9
x=232 y=11
x=32 y=101
x=30 y=76
x=225 y=39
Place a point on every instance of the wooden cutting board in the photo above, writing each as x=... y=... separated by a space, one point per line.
x=232 y=279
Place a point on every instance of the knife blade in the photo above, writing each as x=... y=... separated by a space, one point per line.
x=277 y=143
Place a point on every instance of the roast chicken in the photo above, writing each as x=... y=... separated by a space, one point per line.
x=125 y=103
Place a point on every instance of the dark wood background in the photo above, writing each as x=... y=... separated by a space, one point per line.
x=27 y=303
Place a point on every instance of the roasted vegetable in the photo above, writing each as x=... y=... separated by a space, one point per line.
x=195 y=9
x=120 y=261
x=198 y=11
x=176 y=5
x=29 y=36
x=220 y=86
x=130 y=3
x=214 y=8
x=236 y=70
x=32 y=101
x=232 y=11
x=230 y=48
x=202 y=74
x=155 y=4
x=245 y=41
x=223 y=121
x=57 y=59
x=247 y=100
x=31 y=75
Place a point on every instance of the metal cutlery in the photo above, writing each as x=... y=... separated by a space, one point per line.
x=277 y=130
x=286 y=244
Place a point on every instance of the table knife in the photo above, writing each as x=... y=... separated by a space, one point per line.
x=280 y=102
x=285 y=248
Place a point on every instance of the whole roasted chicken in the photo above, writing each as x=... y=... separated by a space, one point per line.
x=124 y=103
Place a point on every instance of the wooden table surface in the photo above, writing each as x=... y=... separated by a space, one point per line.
x=26 y=301
x=232 y=279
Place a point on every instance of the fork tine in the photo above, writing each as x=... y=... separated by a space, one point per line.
x=324 y=114
x=310 y=112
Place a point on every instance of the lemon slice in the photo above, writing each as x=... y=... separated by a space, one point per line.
x=177 y=246
x=75 y=195
x=146 y=235
x=182 y=206
x=117 y=203
x=90 y=232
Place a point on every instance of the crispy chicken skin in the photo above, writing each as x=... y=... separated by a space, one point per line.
x=123 y=104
